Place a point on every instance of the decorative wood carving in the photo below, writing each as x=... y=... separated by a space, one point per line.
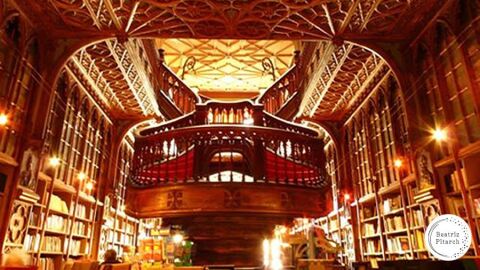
x=233 y=198
x=204 y=198
x=118 y=76
x=236 y=19
x=264 y=150
x=174 y=199
x=18 y=223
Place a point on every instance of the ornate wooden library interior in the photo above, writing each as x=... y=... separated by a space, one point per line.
x=237 y=134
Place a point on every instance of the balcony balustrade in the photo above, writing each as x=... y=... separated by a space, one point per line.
x=228 y=142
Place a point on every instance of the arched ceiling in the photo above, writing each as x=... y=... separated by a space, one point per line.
x=231 y=19
x=119 y=72
x=340 y=80
x=118 y=76
x=231 y=66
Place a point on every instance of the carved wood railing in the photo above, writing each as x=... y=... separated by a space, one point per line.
x=217 y=112
x=281 y=92
x=183 y=121
x=228 y=153
x=177 y=91
x=277 y=122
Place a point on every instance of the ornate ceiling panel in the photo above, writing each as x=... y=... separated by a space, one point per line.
x=346 y=73
x=117 y=76
x=227 y=65
x=232 y=19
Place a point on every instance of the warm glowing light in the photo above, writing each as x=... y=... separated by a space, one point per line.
x=272 y=254
x=266 y=252
x=276 y=254
x=122 y=208
x=82 y=176
x=54 y=161
x=347 y=197
x=3 y=119
x=177 y=238
x=439 y=134
x=397 y=163
x=89 y=186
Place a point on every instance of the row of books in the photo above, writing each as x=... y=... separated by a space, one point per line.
x=52 y=244
x=369 y=229
x=373 y=246
x=394 y=223
x=391 y=204
x=81 y=212
x=56 y=223
x=121 y=238
x=32 y=242
x=397 y=244
x=452 y=181
x=127 y=227
x=418 y=242
x=33 y=219
x=416 y=219
x=46 y=264
x=80 y=228
x=125 y=239
x=79 y=248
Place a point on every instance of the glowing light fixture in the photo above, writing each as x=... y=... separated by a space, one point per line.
x=397 y=163
x=89 y=186
x=81 y=176
x=276 y=254
x=439 y=135
x=346 y=197
x=54 y=162
x=177 y=238
x=266 y=252
x=3 y=119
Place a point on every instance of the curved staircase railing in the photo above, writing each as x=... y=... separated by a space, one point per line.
x=281 y=92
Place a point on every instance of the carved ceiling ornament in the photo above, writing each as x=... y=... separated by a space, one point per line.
x=228 y=65
x=175 y=19
x=116 y=76
x=347 y=73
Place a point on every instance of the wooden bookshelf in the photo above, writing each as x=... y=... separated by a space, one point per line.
x=118 y=231
x=60 y=224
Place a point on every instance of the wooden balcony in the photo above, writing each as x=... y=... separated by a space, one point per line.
x=228 y=142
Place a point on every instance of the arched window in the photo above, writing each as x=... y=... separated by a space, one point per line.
x=458 y=91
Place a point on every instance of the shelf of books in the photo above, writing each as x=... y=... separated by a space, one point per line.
x=370 y=229
x=338 y=228
x=395 y=225
x=392 y=223
x=60 y=224
x=119 y=232
x=453 y=200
